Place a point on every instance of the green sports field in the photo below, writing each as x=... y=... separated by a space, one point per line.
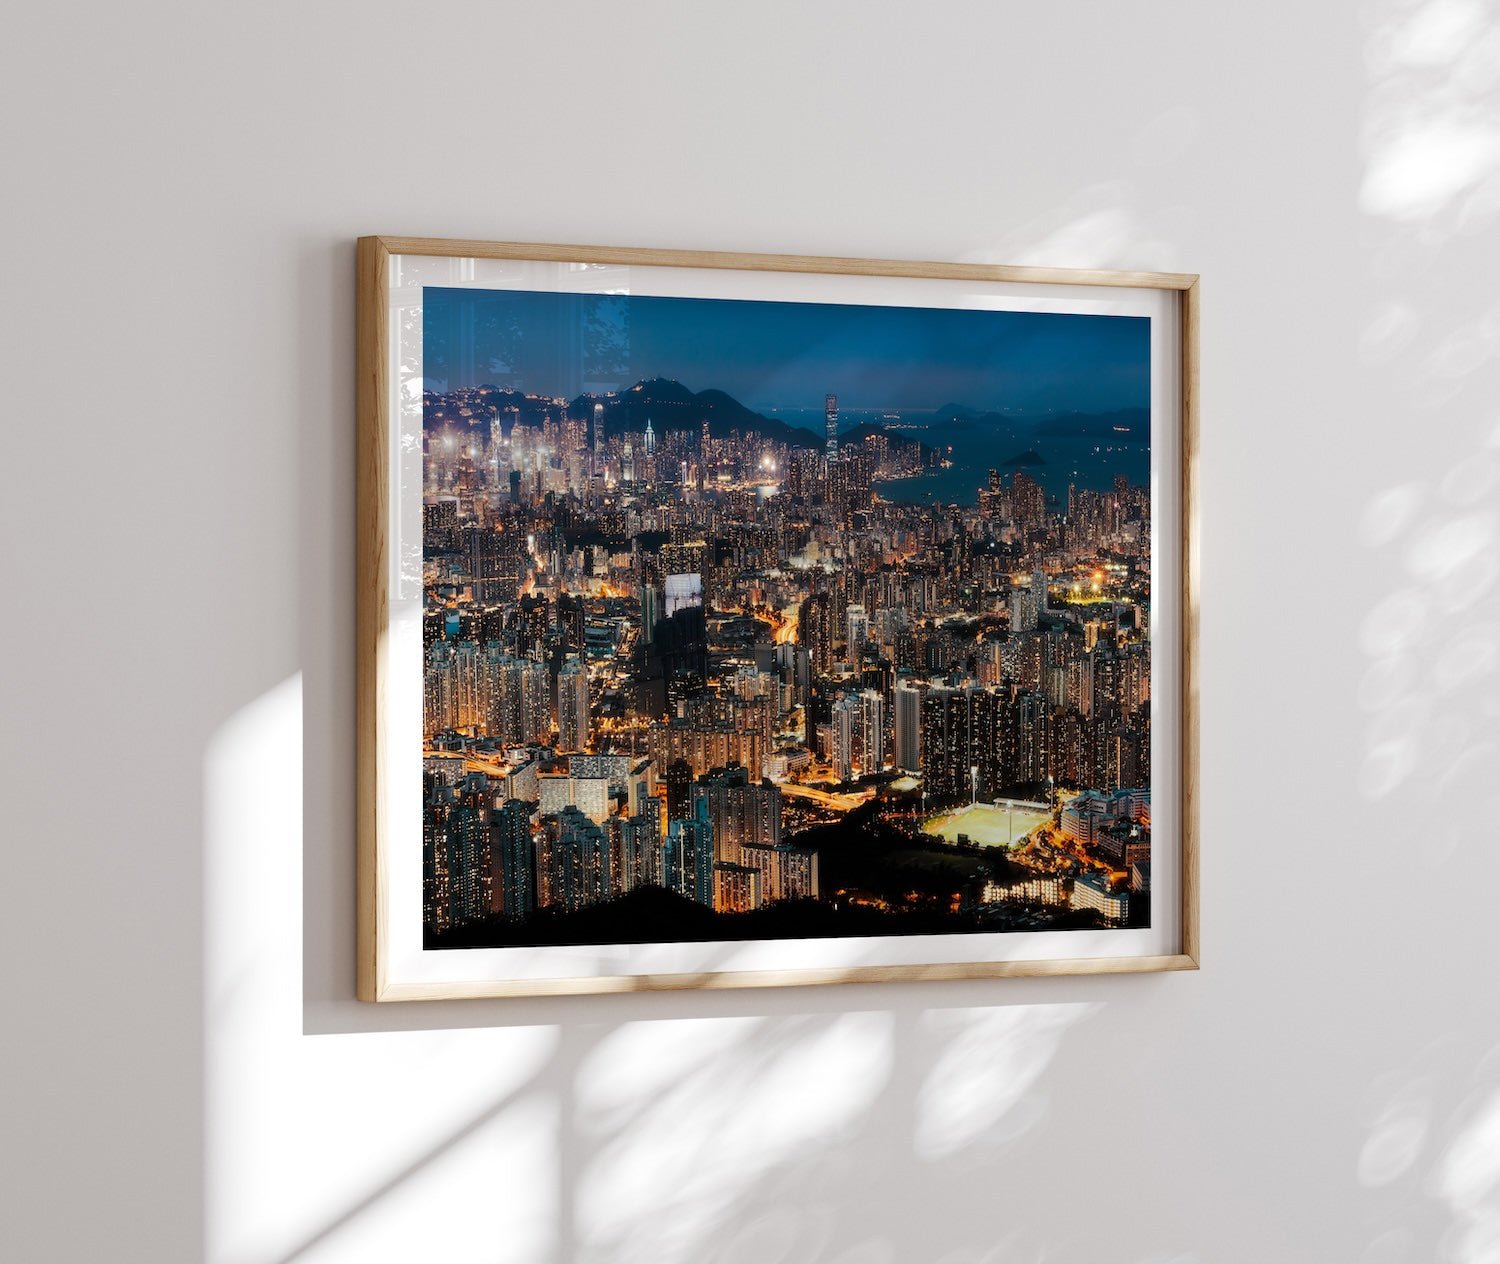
x=986 y=825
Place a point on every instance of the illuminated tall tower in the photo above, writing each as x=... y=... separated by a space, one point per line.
x=651 y=610
x=688 y=857
x=513 y=880
x=831 y=424
x=596 y=451
x=872 y=730
x=573 y=706
x=857 y=631
x=650 y=439
x=909 y=726
x=846 y=727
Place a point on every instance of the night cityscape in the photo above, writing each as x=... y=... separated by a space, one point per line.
x=765 y=620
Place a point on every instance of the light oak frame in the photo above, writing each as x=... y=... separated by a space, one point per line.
x=373 y=505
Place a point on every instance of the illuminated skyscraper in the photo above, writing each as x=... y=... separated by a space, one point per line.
x=679 y=779
x=740 y=809
x=596 y=451
x=457 y=857
x=815 y=628
x=513 y=885
x=573 y=706
x=641 y=857
x=536 y=702
x=871 y=731
x=570 y=622
x=908 y=726
x=651 y=610
x=689 y=857
x=1028 y=504
x=737 y=888
x=650 y=439
x=1023 y=610
x=846 y=727
x=831 y=425
x=572 y=861
x=787 y=873
x=857 y=631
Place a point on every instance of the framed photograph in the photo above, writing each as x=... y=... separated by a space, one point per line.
x=733 y=620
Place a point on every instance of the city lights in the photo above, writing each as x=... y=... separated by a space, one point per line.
x=694 y=671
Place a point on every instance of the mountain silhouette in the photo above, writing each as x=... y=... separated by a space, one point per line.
x=669 y=405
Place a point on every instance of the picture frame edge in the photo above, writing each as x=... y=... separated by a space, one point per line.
x=373 y=254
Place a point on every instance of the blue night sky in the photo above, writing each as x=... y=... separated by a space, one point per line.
x=787 y=355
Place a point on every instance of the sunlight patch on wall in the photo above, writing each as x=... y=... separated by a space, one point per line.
x=983 y=1088
x=687 y=1117
x=319 y=1146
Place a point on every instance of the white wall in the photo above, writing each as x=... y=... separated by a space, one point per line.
x=186 y=1075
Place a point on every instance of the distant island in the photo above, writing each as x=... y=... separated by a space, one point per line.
x=1022 y=459
x=1121 y=425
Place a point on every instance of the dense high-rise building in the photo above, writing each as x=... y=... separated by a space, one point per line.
x=741 y=810
x=673 y=666
x=689 y=857
x=657 y=643
x=815 y=628
x=493 y=565
x=679 y=781
x=488 y=694
x=651 y=611
x=960 y=737
x=908 y=726
x=533 y=623
x=1028 y=503
x=1039 y=592
x=856 y=631
x=642 y=862
x=737 y=888
x=573 y=706
x=570 y=623
x=871 y=731
x=456 y=845
x=558 y=790
x=512 y=860
x=1023 y=610
x=787 y=873
x=846 y=722
x=572 y=861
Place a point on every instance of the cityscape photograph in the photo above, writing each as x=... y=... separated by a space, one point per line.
x=770 y=620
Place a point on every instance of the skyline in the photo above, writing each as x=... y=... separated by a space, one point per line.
x=786 y=356
x=691 y=676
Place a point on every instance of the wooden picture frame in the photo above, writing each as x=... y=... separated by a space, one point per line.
x=385 y=755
